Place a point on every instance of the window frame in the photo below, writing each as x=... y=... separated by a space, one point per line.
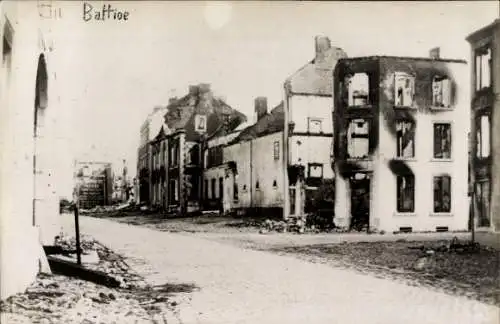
x=450 y=193
x=314 y=119
x=411 y=77
x=347 y=84
x=440 y=105
x=399 y=155
x=478 y=87
x=315 y=165
x=276 y=150
x=399 y=199
x=479 y=135
x=434 y=139
x=368 y=121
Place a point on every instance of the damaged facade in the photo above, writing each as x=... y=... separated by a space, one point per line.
x=400 y=143
x=29 y=142
x=308 y=130
x=175 y=154
x=485 y=130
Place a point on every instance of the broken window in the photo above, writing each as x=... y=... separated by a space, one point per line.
x=441 y=92
x=276 y=148
x=405 y=137
x=483 y=68
x=442 y=194
x=406 y=193
x=315 y=170
x=483 y=137
x=257 y=185
x=483 y=203
x=404 y=86
x=315 y=125
x=442 y=141
x=358 y=86
x=358 y=139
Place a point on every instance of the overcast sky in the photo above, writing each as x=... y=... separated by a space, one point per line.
x=113 y=73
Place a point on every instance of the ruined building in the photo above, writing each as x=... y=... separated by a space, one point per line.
x=400 y=144
x=485 y=130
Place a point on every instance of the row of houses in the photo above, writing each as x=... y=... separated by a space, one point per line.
x=390 y=136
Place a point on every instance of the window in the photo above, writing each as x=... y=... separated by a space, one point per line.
x=442 y=141
x=221 y=188
x=244 y=188
x=405 y=138
x=315 y=170
x=315 y=125
x=404 y=87
x=358 y=138
x=358 y=89
x=206 y=189
x=406 y=193
x=173 y=155
x=441 y=92
x=483 y=137
x=257 y=185
x=213 y=189
x=276 y=149
x=201 y=123
x=483 y=68
x=174 y=191
x=442 y=194
x=235 y=192
x=275 y=183
x=483 y=203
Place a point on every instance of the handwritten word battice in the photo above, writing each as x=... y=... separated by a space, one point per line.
x=106 y=13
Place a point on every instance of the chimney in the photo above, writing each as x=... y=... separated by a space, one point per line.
x=260 y=107
x=204 y=87
x=434 y=53
x=322 y=44
x=193 y=89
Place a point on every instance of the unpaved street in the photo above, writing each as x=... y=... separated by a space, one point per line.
x=244 y=286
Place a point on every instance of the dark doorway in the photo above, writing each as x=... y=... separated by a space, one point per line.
x=221 y=192
x=360 y=204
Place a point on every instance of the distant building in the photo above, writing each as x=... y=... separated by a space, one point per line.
x=94 y=184
x=308 y=103
x=29 y=112
x=400 y=144
x=485 y=130
x=176 y=164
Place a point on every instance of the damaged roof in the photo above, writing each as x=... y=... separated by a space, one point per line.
x=181 y=115
x=270 y=123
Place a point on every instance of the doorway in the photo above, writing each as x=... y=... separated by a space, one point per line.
x=360 y=203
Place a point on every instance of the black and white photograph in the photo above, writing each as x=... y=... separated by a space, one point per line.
x=249 y=162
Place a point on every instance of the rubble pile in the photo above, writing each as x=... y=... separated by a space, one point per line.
x=293 y=225
x=61 y=299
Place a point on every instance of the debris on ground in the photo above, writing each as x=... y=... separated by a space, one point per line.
x=61 y=299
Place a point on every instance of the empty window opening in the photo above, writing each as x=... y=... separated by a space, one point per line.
x=404 y=85
x=275 y=184
x=315 y=170
x=441 y=92
x=483 y=137
x=257 y=185
x=483 y=203
x=358 y=89
x=442 y=229
x=405 y=138
x=442 y=194
x=358 y=139
x=406 y=193
x=483 y=68
x=442 y=141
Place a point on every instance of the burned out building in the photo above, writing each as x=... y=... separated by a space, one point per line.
x=308 y=129
x=94 y=182
x=400 y=145
x=485 y=128
x=176 y=161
